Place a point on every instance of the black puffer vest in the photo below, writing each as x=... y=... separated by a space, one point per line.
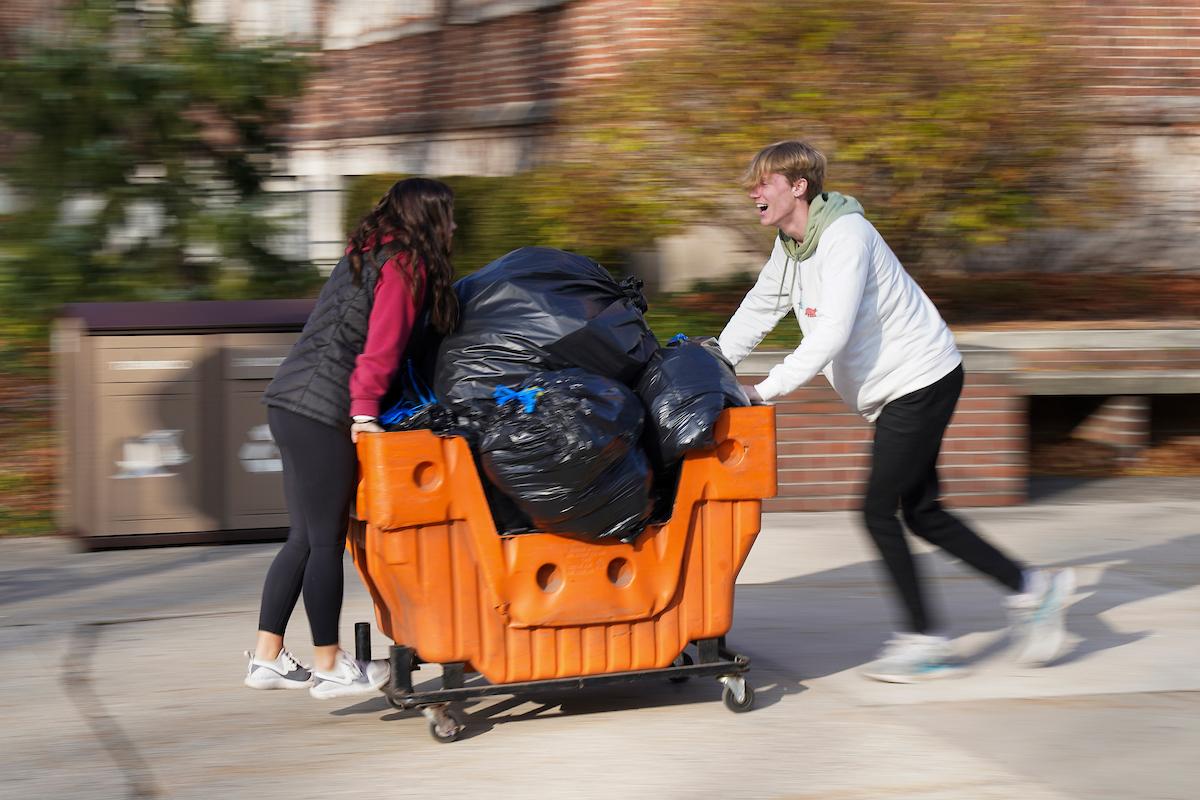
x=314 y=379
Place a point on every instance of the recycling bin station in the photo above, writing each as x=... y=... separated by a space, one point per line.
x=162 y=435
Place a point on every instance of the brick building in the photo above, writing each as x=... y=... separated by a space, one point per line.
x=446 y=87
x=471 y=87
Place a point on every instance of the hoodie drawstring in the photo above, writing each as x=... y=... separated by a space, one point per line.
x=791 y=289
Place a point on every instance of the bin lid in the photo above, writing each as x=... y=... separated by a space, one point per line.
x=191 y=315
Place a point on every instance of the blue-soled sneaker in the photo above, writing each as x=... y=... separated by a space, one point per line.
x=913 y=658
x=285 y=672
x=1038 y=616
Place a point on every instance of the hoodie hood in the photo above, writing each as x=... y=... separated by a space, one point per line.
x=824 y=209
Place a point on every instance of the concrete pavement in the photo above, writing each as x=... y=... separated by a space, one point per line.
x=122 y=679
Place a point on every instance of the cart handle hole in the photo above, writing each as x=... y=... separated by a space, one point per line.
x=427 y=476
x=620 y=572
x=549 y=578
x=731 y=452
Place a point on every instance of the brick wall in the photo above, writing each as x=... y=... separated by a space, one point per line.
x=1138 y=48
x=1121 y=422
x=824 y=448
x=433 y=78
x=17 y=17
x=1130 y=48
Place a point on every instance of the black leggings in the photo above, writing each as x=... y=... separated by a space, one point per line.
x=319 y=471
x=908 y=437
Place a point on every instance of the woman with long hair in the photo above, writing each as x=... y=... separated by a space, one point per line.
x=325 y=394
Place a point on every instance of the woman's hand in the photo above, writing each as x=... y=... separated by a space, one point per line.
x=753 y=396
x=365 y=426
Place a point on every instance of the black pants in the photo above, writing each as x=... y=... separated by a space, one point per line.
x=319 y=471
x=908 y=438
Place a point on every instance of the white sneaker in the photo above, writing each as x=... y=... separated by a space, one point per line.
x=1038 y=616
x=284 y=672
x=913 y=657
x=349 y=678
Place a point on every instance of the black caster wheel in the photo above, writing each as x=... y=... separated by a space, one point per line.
x=445 y=736
x=684 y=660
x=395 y=703
x=445 y=724
x=730 y=697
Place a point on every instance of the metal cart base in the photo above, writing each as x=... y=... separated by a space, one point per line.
x=442 y=707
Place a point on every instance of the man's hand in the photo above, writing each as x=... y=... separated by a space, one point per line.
x=753 y=396
x=368 y=426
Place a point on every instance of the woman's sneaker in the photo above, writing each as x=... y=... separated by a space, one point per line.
x=913 y=657
x=1038 y=616
x=284 y=672
x=349 y=678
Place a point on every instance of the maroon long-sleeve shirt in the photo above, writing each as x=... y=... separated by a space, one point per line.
x=389 y=327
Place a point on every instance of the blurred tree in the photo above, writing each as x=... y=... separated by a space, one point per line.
x=138 y=147
x=953 y=124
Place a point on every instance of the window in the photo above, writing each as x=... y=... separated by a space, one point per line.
x=257 y=19
x=355 y=23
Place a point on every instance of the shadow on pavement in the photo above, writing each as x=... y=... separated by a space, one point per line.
x=83 y=571
x=794 y=630
x=1178 y=557
x=823 y=623
x=484 y=714
x=811 y=626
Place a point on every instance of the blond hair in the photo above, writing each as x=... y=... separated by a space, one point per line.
x=793 y=160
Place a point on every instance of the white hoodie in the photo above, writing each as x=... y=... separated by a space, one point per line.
x=867 y=325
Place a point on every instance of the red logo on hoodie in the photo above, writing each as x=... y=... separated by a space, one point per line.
x=810 y=312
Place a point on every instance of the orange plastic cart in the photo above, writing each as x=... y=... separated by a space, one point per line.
x=535 y=611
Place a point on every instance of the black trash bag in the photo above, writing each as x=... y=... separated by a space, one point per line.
x=685 y=387
x=436 y=418
x=571 y=462
x=508 y=518
x=538 y=309
x=663 y=489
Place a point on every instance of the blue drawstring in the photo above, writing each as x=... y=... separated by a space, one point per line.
x=527 y=397
x=424 y=393
x=398 y=413
x=407 y=408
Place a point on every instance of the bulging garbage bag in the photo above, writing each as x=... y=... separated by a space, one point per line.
x=564 y=447
x=685 y=387
x=539 y=309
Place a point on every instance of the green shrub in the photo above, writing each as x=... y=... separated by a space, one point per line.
x=956 y=125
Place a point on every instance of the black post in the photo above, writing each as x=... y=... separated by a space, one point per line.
x=709 y=650
x=402 y=668
x=362 y=641
x=453 y=675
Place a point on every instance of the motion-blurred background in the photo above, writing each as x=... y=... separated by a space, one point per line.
x=1033 y=164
